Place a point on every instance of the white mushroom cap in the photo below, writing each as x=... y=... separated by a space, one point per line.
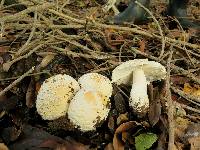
x=139 y=73
x=87 y=109
x=153 y=71
x=54 y=96
x=96 y=82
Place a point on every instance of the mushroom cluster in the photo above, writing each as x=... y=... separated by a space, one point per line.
x=86 y=102
x=138 y=73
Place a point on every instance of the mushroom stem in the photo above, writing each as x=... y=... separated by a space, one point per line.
x=138 y=97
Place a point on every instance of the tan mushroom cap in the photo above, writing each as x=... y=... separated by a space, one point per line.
x=122 y=74
x=54 y=96
x=87 y=109
x=98 y=82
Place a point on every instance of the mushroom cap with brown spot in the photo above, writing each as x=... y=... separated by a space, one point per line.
x=123 y=74
x=98 y=82
x=87 y=109
x=54 y=96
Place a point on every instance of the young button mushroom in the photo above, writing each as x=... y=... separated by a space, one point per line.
x=139 y=73
x=54 y=96
x=88 y=109
x=96 y=82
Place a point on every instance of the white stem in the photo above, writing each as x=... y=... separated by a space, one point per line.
x=138 y=97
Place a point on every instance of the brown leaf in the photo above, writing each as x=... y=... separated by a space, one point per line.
x=142 y=45
x=38 y=139
x=50 y=143
x=155 y=108
x=118 y=144
x=194 y=143
x=122 y=118
x=181 y=124
x=71 y=144
x=46 y=60
x=109 y=147
x=8 y=103
x=193 y=90
x=10 y=134
x=162 y=139
x=193 y=130
x=120 y=104
x=32 y=138
x=4 y=49
x=111 y=123
x=177 y=79
x=3 y=146
x=30 y=94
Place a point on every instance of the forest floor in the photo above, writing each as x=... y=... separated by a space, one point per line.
x=42 y=38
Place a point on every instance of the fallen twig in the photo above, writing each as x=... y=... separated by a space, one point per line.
x=16 y=81
x=159 y=27
x=21 y=14
x=170 y=112
x=188 y=97
x=188 y=107
x=134 y=30
x=22 y=49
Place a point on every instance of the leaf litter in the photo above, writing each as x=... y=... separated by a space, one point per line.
x=73 y=37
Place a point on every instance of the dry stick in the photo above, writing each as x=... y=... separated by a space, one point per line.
x=70 y=53
x=40 y=25
x=93 y=53
x=188 y=107
x=159 y=28
x=174 y=67
x=184 y=39
x=31 y=74
x=134 y=30
x=25 y=12
x=81 y=21
x=170 y=105
x=190 y=98
x=22 y=49
x=16 y=81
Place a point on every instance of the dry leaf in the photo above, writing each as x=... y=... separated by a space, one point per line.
x=10 y=134
x=30 y=94
x=155 y=107
x=118 y=144
x=193 y=130
x=177 y=79
x=195 y=90
x=111 y=123
x=194 y=143
x=120 y=103
x=181 y=125
x=122 y=118
x=109 y=147
x=35 y=138
x=46 y=60
x=3 y=146
x=142 y=45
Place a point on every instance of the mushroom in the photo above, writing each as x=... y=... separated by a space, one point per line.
x=139 y=73
x=96 y=82
x=88 y=109
x=54 y=96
